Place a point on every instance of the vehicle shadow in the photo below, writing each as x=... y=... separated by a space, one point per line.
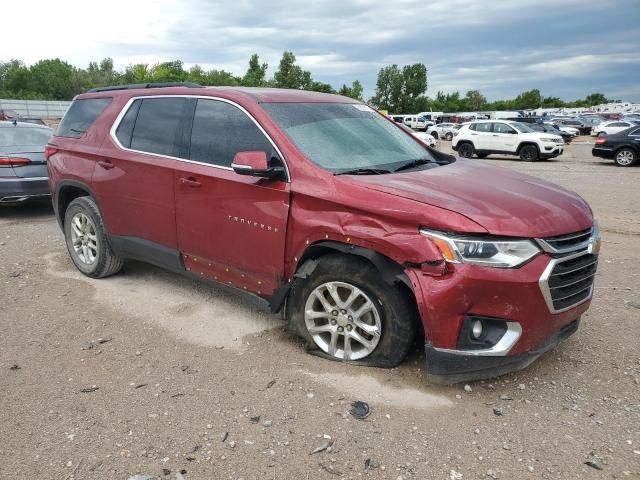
x=37 y=209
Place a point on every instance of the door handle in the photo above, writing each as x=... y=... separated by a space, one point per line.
x=474 y=134
x=495 y=135
x=106 y=164
x=189 y=182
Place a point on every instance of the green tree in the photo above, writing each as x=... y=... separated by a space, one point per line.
x=168 y=72
x=354 y=91
x=475 y=101
x=397 y=90
x=414 y=84
x=53 y=78
x=290 y=75
x=136 y=73
x=528 y=99
x=596 y=99
x=256 y=75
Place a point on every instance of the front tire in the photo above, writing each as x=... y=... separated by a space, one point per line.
x=347 y=312
x=448 y=136
x=465 y=150
x=529 y=153
x=86 y=240
x=625 y=157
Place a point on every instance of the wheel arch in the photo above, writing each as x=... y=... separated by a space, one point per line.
x=391 y=271
x=525 y=144
x=66 y=192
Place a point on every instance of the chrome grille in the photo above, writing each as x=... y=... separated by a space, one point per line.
x=568 y=281
x=566 y=243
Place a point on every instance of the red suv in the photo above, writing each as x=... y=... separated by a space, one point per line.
x=357 y=232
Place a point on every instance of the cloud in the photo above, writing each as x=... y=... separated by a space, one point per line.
x=566 y=49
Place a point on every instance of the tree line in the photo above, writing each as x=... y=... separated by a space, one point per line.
x=398 y=89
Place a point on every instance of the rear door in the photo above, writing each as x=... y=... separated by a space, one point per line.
x=134 y=178
x=481 y=135
x=231 y=228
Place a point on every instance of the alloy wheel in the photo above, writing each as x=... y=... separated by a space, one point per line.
x=624 y=158
x=84 y=238
x=342 y=320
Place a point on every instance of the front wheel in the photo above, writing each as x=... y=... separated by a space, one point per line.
x=86 y=239
x=348 y=312
x=448 y=136
x=625 y=157
x=465 y=150
x=529 y=153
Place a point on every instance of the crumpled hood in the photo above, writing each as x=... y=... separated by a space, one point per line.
x=502 y=201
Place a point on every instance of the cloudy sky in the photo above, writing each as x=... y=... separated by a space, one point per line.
x=566 y=48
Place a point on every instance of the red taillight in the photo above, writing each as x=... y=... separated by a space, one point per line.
x=49 y=151
x=600 y=141
x=13 y=161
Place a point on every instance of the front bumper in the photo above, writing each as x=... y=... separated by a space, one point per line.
x=17 y=189
x=515 y=296
x=550 y=150
x=447 y=367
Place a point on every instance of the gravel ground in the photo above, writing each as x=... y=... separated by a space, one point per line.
x=151 y=373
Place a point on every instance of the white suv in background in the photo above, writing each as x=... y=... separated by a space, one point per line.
x=485 y=137
x=442 y=130
x=609 y=128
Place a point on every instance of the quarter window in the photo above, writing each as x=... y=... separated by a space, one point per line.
x=80 y=116
x=125 y=129
x=159 y=125
x=220 y=130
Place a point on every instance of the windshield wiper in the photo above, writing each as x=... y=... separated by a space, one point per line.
x=364 y=171
x=413 y=163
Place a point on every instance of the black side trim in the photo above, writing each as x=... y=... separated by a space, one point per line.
x=56 y=196
x=134 y=248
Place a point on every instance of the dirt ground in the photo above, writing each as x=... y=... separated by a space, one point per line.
x=151 y=373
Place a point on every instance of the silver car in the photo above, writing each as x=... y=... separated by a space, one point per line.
x=23 y=167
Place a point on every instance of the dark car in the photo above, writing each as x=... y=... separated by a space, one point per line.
x=542 y=127
x=23 y=168
x=622 y=147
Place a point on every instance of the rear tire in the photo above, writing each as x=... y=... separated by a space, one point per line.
x=434 y=134
x=323 y=309
x=529 y=153
x=625 y=157
x=466 y=150
x=86 y=240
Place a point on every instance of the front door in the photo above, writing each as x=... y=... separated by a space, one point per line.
x=231 y=228
x=504 y=137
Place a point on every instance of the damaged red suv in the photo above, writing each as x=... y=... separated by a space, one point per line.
x=324 y=209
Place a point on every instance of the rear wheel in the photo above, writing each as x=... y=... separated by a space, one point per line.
x=86 y=240
x=529 y=153
x=434 y=134
x=601 y=134
x=346 y=311
x=465 y=150
x=625 y=157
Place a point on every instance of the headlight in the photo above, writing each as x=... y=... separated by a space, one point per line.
x=547 y=139
x=486 y=251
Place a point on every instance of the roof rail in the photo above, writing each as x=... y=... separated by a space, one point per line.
x=132 y=86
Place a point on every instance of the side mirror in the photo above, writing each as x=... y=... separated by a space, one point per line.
x=255 y=164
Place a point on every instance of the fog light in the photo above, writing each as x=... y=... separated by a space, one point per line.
x=476 y=329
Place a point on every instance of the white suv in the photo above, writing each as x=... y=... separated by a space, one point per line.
x=485 y=137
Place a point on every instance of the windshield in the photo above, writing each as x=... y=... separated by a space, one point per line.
x=521 y=127
x=342 y=137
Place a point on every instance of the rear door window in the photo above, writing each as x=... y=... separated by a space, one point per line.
x=483 y=127
x=160 y=125
x=220 y=130
x=80 y=116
